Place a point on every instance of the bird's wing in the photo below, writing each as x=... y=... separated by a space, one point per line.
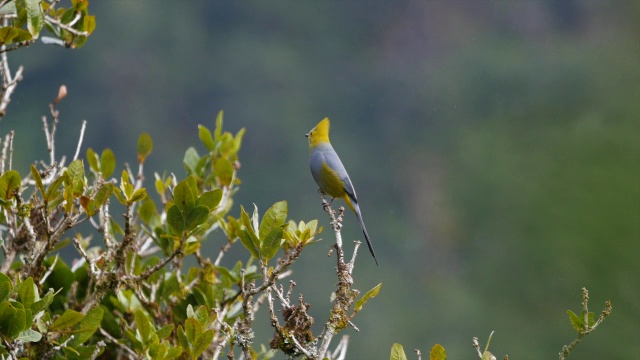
x=333 y=161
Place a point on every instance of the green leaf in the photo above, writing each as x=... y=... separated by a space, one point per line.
x=218 y=130
x=147 y=210
x=107 y=163
x=35 y=174
x=223 y=169
x=138 y=195
x=27 y=292
x=271 y=244
x=80 y=353
x=165 y=331
x=249 y=229
x=210 y=199
x=273 y=218
x=118 y=193
x=53 y=189
x=29 y=335
x=184 y=196
x=14 y=35
x=202 y=343
x=577 y=323
x=87 y=326
x=145 y=146
x=591 y=319
x=254 y=221
x=206 y=138
x=397 y=352
x=5 y=287
x=191 y=159
x=93 y=160
x=246 y=221
x=175 y=220
x=246 y=240
x=225 y=272
x=143 y=324
x=193 y=330
x=43 y=303
x=35 y=16
x=103 y=194
x=366 y=297
x=89 y=23
x=76 y=173
x=182 y=338
x=12 y=319
x=202 y=315
x=136 y=344
x=437 y=353
x=237 y=141
x=9 y=183
x=67 y=319
x=157 y=351
x=8 y=33
x=173 y=353
x=126 y=186
x=197 y=216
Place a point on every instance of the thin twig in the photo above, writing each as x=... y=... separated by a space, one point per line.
x=49 y=270
x=11 y=133
x=68 y=27
x=82 y=129
x=118 y=343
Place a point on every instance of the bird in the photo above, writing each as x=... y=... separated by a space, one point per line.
x=330 y=174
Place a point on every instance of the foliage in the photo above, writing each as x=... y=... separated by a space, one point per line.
x=584 y=325
x=70 y=26
x=145 y=290
x=120 y=297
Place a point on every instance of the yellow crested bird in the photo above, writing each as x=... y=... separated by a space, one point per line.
x=330 y=174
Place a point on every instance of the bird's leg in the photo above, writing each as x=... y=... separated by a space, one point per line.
x=325 y=204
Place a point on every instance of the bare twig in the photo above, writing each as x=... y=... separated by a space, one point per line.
x=5 y=151
x=92 y=265
x=50 y=270
x=82 y=129
x=476 y=345
x=344 y=295
x=340 y=353
x=118 y=343
x=67 y=27
x=49 y=135
x=10 y=136
x=150 y=271
x=9 y=82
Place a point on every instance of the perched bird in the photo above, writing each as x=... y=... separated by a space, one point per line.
x=330 y=174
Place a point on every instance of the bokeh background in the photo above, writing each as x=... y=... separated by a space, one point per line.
x=494 y=145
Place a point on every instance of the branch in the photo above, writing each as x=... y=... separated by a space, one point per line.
x=82 y=129
x=587 y=329
x=67 y=27
x=9 y=82
x=118 y=343
x=344 y=295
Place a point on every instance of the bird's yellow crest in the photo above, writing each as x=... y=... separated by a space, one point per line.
x=319 y=134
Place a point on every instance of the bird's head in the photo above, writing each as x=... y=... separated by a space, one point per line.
x=319 y=134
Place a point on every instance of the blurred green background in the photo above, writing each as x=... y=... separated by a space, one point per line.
x=494 y=145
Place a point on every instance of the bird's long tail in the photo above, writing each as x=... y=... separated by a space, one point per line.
x=353 y=204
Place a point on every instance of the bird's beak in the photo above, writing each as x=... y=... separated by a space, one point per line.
x=306 y=135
